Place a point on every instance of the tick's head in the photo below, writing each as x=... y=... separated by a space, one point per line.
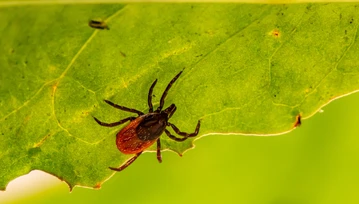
x=170 y=110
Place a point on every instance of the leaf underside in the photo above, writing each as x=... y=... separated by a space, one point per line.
x=249 y=69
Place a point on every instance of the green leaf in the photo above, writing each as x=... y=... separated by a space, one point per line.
x=249 y=69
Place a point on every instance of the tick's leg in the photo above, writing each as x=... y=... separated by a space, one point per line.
x=175 y=138
x=172 y=112
x=150 y=96
x=127 y=163
x=115 y=123
x=186 y=134
x=124 y=108
x=162 y=102
x=159 y=157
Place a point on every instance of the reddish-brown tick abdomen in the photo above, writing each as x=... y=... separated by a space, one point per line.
x=127 y=140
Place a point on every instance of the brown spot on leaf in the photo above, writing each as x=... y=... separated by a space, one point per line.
x=97 y=186
x=298 y=121
x=275 y=33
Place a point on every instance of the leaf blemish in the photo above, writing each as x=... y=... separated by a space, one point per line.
x=98 y=24
x=34 y=151
x=123 y=54
x=275 y=33
x=97 y=186
x=298 y=121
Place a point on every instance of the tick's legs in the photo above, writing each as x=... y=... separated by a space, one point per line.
x=127 y=163
x=159 y=157
x=150 y=96
x=186 y=134
x=115 y=123
x=175 y=138
x=124 y=108
x=162 y=102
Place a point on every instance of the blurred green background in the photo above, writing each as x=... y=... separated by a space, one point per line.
x=316 y=163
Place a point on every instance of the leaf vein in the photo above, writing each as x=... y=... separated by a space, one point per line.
x=27 y=101
x=84 y=87
x=68 y=68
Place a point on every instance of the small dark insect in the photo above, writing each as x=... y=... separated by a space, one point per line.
x=146 y=129
x=98 y=25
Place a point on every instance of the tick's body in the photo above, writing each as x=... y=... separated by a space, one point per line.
x=146 y=129
x=141 y=133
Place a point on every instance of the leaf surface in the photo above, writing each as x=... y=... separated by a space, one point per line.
x=249 y=69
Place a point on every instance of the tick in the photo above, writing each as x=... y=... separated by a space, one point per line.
x=146 y=129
